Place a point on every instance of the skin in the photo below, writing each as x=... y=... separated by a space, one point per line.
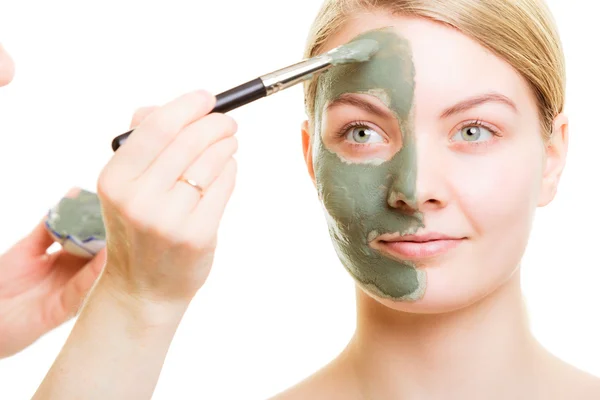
x=161 y=238
x=7 y=67
x=39 y=291
x=473 y=210
x=484 y=193
x=353 y=191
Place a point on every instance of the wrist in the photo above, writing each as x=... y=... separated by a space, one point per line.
x=143 y=310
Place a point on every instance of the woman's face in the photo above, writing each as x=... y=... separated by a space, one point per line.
x=7 y=67
x=430 y=162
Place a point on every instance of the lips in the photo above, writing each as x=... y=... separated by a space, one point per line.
x=416 y=247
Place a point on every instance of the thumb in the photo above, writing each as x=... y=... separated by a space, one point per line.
x=77 y=288
x=141 y=114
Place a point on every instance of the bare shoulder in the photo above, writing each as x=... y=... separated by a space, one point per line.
x=565 y=381
x=333 y=382
x=581 y=385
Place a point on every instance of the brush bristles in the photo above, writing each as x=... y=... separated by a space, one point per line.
x=360 y=50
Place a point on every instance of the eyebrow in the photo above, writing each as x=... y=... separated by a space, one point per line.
x=350 y=100
x=475 y=101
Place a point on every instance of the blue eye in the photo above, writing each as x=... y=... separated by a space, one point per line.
x=473 y=133
x=363 y=135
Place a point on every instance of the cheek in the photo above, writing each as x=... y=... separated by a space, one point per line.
x=493 y=196
x=498 y=191
x=349 y=192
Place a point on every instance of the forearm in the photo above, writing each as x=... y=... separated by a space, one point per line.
x=115 y=351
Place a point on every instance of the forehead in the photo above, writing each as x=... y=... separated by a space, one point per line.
x=449 y=65
x=389 y=75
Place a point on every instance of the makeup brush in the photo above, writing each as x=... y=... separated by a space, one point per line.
x=359 y=50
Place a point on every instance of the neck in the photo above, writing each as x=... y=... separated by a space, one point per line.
x=483 y=349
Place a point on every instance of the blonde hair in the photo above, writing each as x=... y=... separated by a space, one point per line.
x=522 y=32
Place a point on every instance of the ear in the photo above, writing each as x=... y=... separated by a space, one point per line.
x=556 y=156
x=307 y=150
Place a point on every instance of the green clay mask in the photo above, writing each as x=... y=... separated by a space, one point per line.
x=353 y=52
x=357 y=197
x=79 y=217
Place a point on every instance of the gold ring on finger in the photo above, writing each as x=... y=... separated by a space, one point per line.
x=193 y=184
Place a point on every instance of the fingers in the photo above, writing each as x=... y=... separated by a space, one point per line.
x=163 y=231
x=77 y=288
x=206 y=217
x=211 y=163
x=73 y=192
x=140 y=115
x=39 y=240
x=186 y=147
x=73 y=279
x=7 y=67
x=204 y=171
x=159 y=129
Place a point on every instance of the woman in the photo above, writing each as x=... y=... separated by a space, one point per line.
x=430 y=160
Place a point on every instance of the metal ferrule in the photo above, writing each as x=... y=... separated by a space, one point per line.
x=294 y=74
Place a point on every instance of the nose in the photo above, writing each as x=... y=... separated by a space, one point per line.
x=402 y=194
x=419 y=182
x=402 y=202
x=7 y=67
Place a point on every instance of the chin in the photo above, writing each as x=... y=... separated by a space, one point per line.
x=449 y=288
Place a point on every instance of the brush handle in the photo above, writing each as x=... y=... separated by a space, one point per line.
x=226 y=101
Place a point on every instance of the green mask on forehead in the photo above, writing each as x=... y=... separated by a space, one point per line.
x=358 y=198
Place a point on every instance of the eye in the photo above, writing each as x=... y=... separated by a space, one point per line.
x=363 y=135
x=473 y=133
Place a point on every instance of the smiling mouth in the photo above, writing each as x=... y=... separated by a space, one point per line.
x=416 y=247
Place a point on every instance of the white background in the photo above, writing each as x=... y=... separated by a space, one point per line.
x=278 y=305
